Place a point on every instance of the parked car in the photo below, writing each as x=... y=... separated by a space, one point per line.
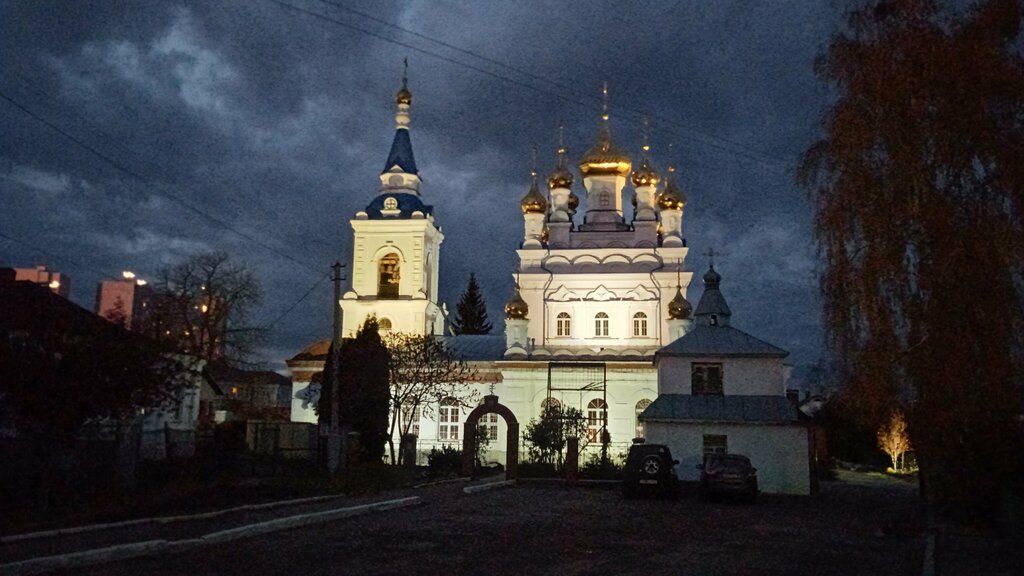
x=650 y=470
x=728 y=474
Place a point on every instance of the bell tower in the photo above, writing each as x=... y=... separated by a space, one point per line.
x=396 y=246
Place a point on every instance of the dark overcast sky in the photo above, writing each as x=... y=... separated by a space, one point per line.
x=278 y=123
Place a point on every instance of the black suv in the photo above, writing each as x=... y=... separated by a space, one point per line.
x=650 y=469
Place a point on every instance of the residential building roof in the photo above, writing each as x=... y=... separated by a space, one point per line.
x=724 y=409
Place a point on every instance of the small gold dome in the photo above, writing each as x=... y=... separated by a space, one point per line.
x=516 y=308
x=559 y=178
x=671 y=198
x=404 y=96
x=679 y=308
x=645 y=175
x=574 y=202
x=533 y=202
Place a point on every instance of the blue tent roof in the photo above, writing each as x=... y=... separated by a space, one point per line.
x=401 y=154
x=408 y=202
x=705 y=408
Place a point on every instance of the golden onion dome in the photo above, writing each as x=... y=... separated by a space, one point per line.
x=679 y=308
x=645 y=174
x=533 y=202
x=604 y=158
x=560 y=177
x=671 y=198
x=516 y=308
x=574 y=202
x=403 y=96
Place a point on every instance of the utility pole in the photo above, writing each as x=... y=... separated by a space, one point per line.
x=334 y=433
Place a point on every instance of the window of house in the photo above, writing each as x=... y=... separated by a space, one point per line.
x=390 y=203
x=706 y=378
x=639 y=324
x=448 y=420
x=388 y=277
x=563 y=324
x=601 y=324
x=411 y=416
x=640 y=407
x=716 y=444
x=597 y=419
x=384 y=325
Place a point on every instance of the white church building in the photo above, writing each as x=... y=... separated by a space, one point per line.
x=598 y=299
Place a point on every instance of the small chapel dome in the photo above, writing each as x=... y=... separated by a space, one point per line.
x=645 y=174
x=711 y=277
x=533 y=202
x=516 y=308
x=679 y=308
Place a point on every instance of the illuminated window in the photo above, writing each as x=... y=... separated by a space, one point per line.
x=387 y=285
x=639 y=324
x=716 y=444
x=706 y=378
x=390 y=203
x=640 y=407
x=489 y=424
x=601 y=324
x=563 y=324
x=448 y=416
x=384 y=325
x=597 y=419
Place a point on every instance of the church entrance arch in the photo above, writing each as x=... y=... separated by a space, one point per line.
x=491 y=406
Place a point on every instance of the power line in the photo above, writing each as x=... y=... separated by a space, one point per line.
x=718 y=142
x=288 y=311
x=128 y=171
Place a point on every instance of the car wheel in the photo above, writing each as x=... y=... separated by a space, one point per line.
x=651 y=465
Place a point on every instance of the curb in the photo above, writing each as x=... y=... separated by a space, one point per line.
x=440 y=482
x=86 y=558
x=488 y=486
x=153 y=547
x=160 y=519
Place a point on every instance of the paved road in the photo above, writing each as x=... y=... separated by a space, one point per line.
x=532 y=529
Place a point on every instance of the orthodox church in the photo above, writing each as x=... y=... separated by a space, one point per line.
x=596 y=297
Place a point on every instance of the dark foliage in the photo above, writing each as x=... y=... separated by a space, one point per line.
x=918 y=186
x=471 y=311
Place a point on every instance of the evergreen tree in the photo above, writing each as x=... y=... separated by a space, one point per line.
x=471 y=311
x=361 y=370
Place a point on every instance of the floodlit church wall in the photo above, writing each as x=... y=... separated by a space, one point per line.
x=779 y=452
x=740 y=376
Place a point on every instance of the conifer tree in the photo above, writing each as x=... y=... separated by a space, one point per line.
x=471 y=311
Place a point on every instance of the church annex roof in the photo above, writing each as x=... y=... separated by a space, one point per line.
x=401 y=154
x=733 y=409
x=706 y=340
x=475 y=347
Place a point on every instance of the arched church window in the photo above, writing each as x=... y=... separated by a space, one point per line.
x=384 y=325
x=597 y=419
x=563 y=324
x=601 y=324
x=390 y=203
x=387 y=285
x=550 y=403
x=604 y=200
x=639 y=324
x=448 y=419
x=640 y=407
x=489 y=424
